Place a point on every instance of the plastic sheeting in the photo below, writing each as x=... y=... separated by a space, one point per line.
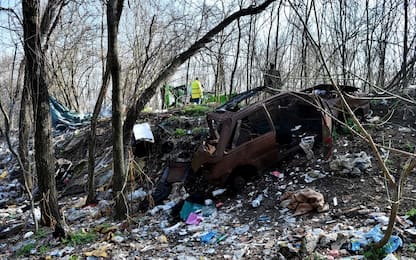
x=63 y=117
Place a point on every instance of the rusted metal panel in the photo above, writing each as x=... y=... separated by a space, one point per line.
x=255 y=135
x=262 y=133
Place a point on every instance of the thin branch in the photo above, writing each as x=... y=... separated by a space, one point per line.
x=10 y=10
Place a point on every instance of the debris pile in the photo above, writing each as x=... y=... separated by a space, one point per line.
x=354 y=164
x=305 y=207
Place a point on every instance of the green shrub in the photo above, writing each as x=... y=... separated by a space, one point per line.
x=79 y=237
x=44 y=249
x=25 y=250
x=199 y=130
x=179 y=132
x=196 y=110
x=41 y=233
x=409 y=147
x=412 y=215
x=374 y=253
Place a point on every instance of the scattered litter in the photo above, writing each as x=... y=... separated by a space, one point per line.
x=172 y=229
x=373 y=120
x=143 y=132
x=411 y=231
x=313 y=175
x=189 y=207
x=380 y=217
x=118 y=239
x=307 y=144
x=165 y=207
x=241 y=230
x=208 y=236
x=390 y=257
x=257 y=201
x=100 y=252
x=303 y=201
x=264 y=218
x=3 y=175
x=28 y=234
x=277 y=174
x=405 y=129
x=162 y=239
x=194 y=219
x=354 y=164
x=310 y=242
x=218 y=192
x=137 y=194
x=373 y=236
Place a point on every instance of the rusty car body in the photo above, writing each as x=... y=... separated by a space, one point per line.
x=247 y=138
x=258 y=128
x=359 y=103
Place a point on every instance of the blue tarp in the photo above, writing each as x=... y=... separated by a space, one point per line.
x=63 y=117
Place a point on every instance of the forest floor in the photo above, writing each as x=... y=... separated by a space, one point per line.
x=355 y=204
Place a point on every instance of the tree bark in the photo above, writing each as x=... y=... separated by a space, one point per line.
x=44 y=154
x=405 y=47
x=269 y=33
x=114 y=9
x=304 y=50
x=24 y=130
x=367 y=43
x=276 y=43
x=179 y=59
x=237 y=55
x=248 y=69
x=93 y=136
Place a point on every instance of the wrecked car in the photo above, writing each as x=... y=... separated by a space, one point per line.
x=245 y=139
x=359 y=104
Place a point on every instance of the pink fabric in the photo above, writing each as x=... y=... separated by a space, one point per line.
x=193 y=219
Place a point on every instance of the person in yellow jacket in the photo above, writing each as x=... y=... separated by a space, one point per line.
x=196 y=92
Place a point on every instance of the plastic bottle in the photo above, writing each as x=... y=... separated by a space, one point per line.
x=218 y=192
x=257 y=201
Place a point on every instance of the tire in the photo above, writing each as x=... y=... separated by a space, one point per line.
x=238 y=183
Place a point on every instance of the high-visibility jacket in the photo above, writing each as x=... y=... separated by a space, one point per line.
x=196 y=89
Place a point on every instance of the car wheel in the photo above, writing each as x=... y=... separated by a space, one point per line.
x=238 y=183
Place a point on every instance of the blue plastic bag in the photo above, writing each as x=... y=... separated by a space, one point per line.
x=208 y=236
x=394 y=243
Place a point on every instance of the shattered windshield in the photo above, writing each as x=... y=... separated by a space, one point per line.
x=245 y=98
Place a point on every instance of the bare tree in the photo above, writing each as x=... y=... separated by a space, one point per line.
x=237 y=55
x=44 y=156
x=93 y=128
x=405 y=47
x=114 y=10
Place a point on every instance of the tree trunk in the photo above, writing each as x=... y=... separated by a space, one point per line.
x=368 y=44
x=114 y=9
x=269 y=33
x=276 y=43
x=93 y=136
x=44 y=154
x=24 y=130
x=405 y=47
x=248 y=56
x=179 y=59
x=304 y=51
x=237 y=55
